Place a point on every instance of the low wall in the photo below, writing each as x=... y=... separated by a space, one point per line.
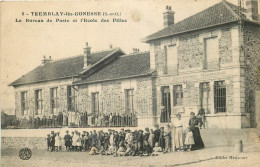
x=37 y=143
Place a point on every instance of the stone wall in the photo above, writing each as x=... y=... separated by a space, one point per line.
x=38 y=143
x=112 y=97
x=45 y=87
x=252 y=62
x=190 y=49
x=225 y=46
x=190 y=52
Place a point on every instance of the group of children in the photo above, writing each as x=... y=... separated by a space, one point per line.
x=123 y=143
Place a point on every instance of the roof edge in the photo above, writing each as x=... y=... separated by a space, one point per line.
x=11 y=84
x=132 y=76
x=196 y=29
x=231 y=10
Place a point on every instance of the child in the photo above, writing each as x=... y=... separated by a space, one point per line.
x=58 y=142
x=129 y=150
x=93 y=150
x=79 y=143
x=147 y=148
x=151 y=138
x=189 y=140
x=74 y=141
x=157 y=149
x=48 y=142
x=67 y=140
x=111 y=150
x=121 y=150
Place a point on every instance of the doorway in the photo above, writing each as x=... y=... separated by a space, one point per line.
x=166 y=105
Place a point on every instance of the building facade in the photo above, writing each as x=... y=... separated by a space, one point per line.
x=208 y=61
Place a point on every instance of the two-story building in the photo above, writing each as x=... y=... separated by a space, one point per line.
x=209 y=60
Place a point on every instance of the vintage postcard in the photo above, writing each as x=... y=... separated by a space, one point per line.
x=130 y=83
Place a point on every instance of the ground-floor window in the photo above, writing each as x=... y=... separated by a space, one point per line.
x=205 y=96
x=54 y=100
x=24 y=103
x=166 y=105
x=95 y=103
x=71 y=98
x=219 y=96
x=39 y=102
x=178 y=95
x=129 y=98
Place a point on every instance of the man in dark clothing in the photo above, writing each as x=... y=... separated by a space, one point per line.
x=116 y=139
x=44 y=121
x=121 y=136
x=157 y=133
x=67 y=140
x=52 y=140
x=161 y=139
x=140 y=141
x=49 y=122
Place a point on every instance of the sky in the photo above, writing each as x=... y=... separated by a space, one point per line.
x=23 y=44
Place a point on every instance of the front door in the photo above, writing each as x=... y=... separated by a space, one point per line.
x=166 y=103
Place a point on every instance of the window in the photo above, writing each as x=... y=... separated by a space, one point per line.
x=24 y=103
x=178 y=95
x=54 y=100
x=72 y=98
x=220 y=96
x=211 y=53
x=171 y=59
x=95 y=103
x=38 y=102
x=205 y=96
x=129 y=94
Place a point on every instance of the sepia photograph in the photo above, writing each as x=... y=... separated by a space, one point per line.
x=168 y=83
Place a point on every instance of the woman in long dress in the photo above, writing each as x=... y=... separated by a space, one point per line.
x=194 y=127
x=178 y=125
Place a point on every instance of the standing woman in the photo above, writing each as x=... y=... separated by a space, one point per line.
x=194 y=127
x=178 y=125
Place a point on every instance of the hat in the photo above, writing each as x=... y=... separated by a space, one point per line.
x=67 y=131
x=178 y=115
x=122 y=129
x=52 y=131
x=128 y=130
x=192 y=113
x=140 y=131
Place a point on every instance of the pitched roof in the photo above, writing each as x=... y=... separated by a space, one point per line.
x=217 y=14
x=57 y=69
x=137 y=64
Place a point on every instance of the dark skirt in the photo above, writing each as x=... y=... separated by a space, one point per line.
x=197 y=139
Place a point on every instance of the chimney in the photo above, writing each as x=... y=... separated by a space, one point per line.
x=86 y=55
x=168 y=17
x=45 y=60
x=251 y=9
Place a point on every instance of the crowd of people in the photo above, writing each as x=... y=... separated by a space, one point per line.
x=77 y=119
x=131 y=143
